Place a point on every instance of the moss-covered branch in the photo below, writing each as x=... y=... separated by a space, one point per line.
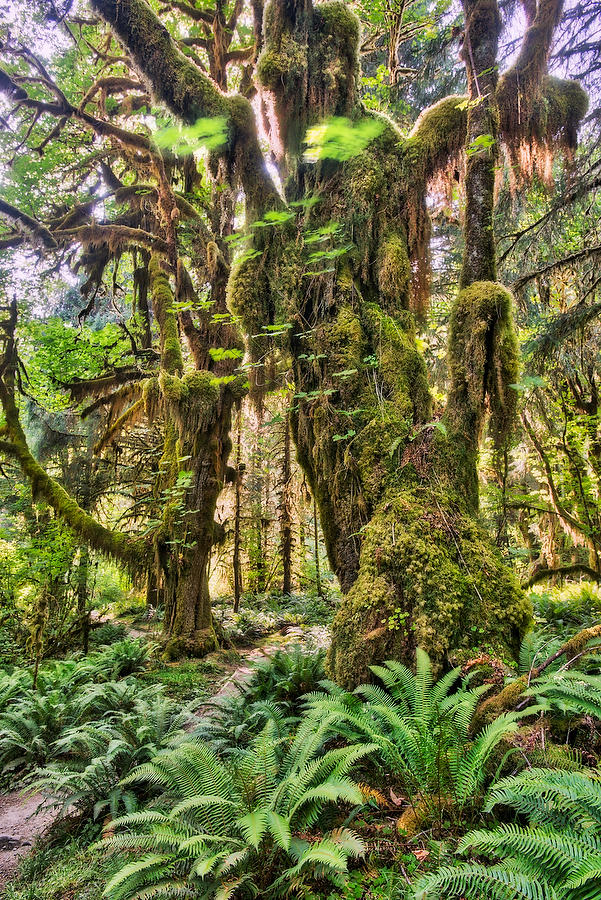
x=508 y=698
x=178 y=83
x=162 y=304
x=37 y=229
x=113 y=543
x=437 y=137
x=127 y=419
x=561 y=572
x=521 y=85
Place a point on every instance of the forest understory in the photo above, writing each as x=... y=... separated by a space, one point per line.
x=300 y=449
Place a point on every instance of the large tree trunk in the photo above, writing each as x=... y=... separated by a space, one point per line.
x=396 y=495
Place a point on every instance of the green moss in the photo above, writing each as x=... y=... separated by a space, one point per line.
x=151 y=394
x=162 y=304
x=202 y=399
x=400 y=364
x=173 y=388
x=337 y=18
x=247 y=293
x=283 y=62
x=483 y=362
x=112 y=543
x=428 y=577
x=438 y=134
x=342 y=340
x=195 y=645
x=562 y=107
x=394 y=272
x=504 y=701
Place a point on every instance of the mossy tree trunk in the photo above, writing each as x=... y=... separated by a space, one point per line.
x=195 y=409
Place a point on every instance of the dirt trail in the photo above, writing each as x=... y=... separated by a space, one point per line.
x=21 y=822
x=295 y=634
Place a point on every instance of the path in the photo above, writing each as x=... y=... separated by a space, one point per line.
x=20 y=824
x=313 y=636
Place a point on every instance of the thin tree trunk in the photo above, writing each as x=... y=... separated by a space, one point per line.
x=316 y=550
x=83 y=613
x=237 y=562
x=285 y=512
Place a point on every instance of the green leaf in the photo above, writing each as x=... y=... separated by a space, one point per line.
x=206 y=134
x=341 y=139
x=280 y=829
x=253 y=826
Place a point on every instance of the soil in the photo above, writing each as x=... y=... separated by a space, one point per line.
x=21 y=822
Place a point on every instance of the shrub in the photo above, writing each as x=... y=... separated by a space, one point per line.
x=107 y=633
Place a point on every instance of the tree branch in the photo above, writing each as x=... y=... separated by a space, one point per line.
x=113 y=543
x=190 y=94
x=573 y=569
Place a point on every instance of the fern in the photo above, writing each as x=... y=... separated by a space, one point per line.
x=569 y=692
x=421 y=730
x=557 y=855
x=218 y=819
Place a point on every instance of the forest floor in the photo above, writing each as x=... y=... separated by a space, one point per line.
x=21 y=820
x=21 y=823
x=314 y=636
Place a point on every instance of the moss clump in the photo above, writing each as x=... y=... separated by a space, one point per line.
x=151 y=395
x=428 y=577
x=202 y=403
x=335 y=18
x=248 y=293
x=285 y=61
x=558 y=114
x=333 y=60
x=195 y=645
x=173 y=388
x=394 y=273
x=342 y=340
x=437 y=137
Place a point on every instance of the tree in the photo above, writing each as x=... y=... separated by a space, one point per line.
x=335 y=273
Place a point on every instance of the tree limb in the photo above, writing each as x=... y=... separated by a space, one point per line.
x=573 y=569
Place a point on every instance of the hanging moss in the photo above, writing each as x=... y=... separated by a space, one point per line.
x=127 y=419
x=173 y=388
x=150 y=395
x=248 y=293
x=536 y=127
x=483 y=362
x=394 y=273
